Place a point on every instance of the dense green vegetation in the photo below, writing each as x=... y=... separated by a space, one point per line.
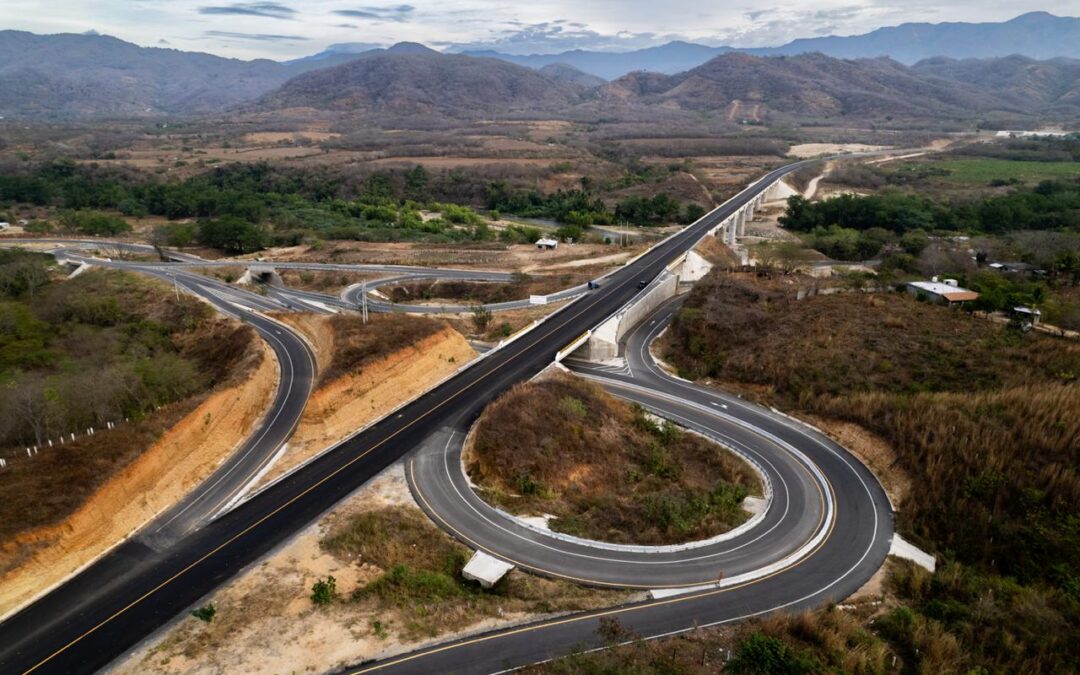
x=1051 y=205
x=580 y=207
x=984 y=419
x=1054 y=150
x=242 y=208
x=98 y=348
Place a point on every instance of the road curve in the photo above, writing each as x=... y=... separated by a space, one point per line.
x=296 y=362
x=111 y=605
x=761 y=577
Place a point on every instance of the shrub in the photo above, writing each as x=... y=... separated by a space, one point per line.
x=761 y=654
x=205 y=613
x=324 y=592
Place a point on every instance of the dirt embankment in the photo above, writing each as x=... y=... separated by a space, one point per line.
x=344 y=403
x=181 y=458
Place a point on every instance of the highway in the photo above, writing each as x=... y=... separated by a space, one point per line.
x=773 y=565
x=111 y=605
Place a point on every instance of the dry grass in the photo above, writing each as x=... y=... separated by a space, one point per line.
x=562 y=446
x=357 y=344
x=985 y=420
x=417 y=584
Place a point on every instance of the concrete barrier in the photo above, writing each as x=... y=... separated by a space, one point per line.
x=604 y=341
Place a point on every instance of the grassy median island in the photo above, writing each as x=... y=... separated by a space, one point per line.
x=605 y=470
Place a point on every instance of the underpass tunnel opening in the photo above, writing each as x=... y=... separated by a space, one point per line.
x=267 y=275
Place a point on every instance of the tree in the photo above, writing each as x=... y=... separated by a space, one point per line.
x=232 y=235
x=416 y=182
x=481 y=317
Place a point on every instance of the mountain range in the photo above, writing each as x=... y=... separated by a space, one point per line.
x=1036 y=35
x=86 y=76
x=740 y=86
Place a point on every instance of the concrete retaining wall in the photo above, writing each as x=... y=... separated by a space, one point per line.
x=603 y=342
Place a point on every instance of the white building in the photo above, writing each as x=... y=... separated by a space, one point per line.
x=547 y=242
x=946 y=292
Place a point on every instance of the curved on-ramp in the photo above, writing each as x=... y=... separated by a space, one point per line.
x=113 y=604
x=827 y=529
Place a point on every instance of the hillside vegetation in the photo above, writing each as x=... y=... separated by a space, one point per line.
x=986 y=421
x=79 y=353
x=606 y=470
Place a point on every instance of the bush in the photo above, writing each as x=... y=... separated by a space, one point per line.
x=93 y=223
x=205 y=613
x=760 y=654
x=324 y=592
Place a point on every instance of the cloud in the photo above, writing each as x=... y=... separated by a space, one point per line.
x=777 y=26
x=557 y=36
x=272 y=10
x=395 y=13
x=261 y=37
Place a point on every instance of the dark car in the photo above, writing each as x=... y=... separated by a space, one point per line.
x=642 y=283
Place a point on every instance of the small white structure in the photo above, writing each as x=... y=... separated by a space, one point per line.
x=4 y=225
x=485 y=569
x=547 y=243
x=1028 y=314
x=947 y=292
x=1046 y=133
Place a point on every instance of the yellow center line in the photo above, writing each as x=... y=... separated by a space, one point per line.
x=610 y=612
x=314 y=486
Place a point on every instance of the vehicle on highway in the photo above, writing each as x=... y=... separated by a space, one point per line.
x=642 y=284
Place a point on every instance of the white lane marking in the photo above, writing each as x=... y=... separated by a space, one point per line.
x=482 y=516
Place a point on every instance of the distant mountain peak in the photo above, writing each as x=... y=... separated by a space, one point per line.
x=1037 y=35
x=410 y=48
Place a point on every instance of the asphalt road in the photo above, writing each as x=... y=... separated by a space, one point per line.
x=801 y=502
x=111 y=605
x=848 y=547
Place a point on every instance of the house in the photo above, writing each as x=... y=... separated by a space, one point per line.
x=946 y=292
x=1017 y=268
x=547 y=242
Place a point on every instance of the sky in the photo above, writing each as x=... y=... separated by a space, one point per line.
x=293 y=28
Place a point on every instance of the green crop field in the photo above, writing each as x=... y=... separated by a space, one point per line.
x=985 y=170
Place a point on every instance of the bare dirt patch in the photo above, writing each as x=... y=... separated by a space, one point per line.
x=267 y=623
x=807 y=150
x=367 y=372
